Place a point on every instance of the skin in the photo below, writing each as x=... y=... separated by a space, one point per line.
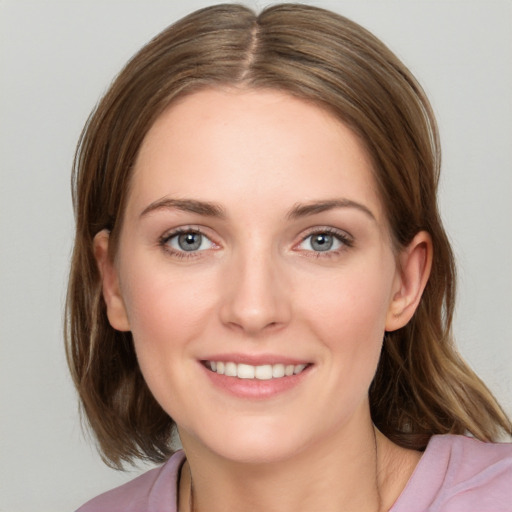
x=257 y=286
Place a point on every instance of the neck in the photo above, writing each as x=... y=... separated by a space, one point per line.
x=360 y=472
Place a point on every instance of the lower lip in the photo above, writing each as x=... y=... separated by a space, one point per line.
x=255 y=388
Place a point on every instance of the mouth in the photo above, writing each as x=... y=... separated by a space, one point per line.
x=251 y=372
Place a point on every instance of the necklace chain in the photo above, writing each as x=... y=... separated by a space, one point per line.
x=191 y=497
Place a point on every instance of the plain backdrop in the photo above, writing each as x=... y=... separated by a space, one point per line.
x=56 y=60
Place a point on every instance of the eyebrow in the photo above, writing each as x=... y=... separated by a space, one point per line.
x=187 y=205
x=210 y=209
x=312 y=208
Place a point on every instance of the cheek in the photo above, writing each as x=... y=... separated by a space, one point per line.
x=349 y=316
x=355 y=301
x=162 y=305
x=166 y=315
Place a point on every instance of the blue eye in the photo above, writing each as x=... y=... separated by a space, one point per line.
x=188 y=241
x=324 y=241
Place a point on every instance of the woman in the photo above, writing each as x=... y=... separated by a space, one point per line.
x=260 y=263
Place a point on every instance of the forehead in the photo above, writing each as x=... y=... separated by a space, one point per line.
x=261 y=145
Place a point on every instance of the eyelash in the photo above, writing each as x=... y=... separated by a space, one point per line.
x=342 y=237
x=346 y=241
x=164 y=242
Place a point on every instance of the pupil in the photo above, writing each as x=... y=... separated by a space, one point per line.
x=189 y=241
x=322 y=242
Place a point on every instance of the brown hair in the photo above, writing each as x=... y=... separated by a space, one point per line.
x=422 y=387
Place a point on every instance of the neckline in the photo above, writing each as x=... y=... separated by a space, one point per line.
x=430 y=458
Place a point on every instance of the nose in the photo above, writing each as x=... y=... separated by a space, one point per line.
x=255 y=297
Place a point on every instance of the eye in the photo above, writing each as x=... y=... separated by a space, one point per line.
x=187 y=241
x=325 y=241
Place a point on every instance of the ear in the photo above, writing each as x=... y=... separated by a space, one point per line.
x=116 y=310
x=415 y=262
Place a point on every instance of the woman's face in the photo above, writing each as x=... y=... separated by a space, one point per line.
x=254 y=243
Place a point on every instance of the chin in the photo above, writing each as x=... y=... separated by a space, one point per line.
x=259 y=452
x=256 y=443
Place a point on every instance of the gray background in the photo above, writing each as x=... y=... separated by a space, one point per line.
x=57 y=58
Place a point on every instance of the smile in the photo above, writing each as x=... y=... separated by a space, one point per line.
x=261 y=372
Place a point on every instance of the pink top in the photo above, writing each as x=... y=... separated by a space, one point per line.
x=455 y=474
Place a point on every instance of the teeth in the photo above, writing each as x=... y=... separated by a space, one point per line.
x=230 y=369
x=297 y=369
x=245 y=371
x=262 y=372
x=278 y=371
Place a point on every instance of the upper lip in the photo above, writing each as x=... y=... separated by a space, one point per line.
x=255 y=359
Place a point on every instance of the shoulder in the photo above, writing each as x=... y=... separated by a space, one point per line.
x=153 y=491
x=458 y=473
